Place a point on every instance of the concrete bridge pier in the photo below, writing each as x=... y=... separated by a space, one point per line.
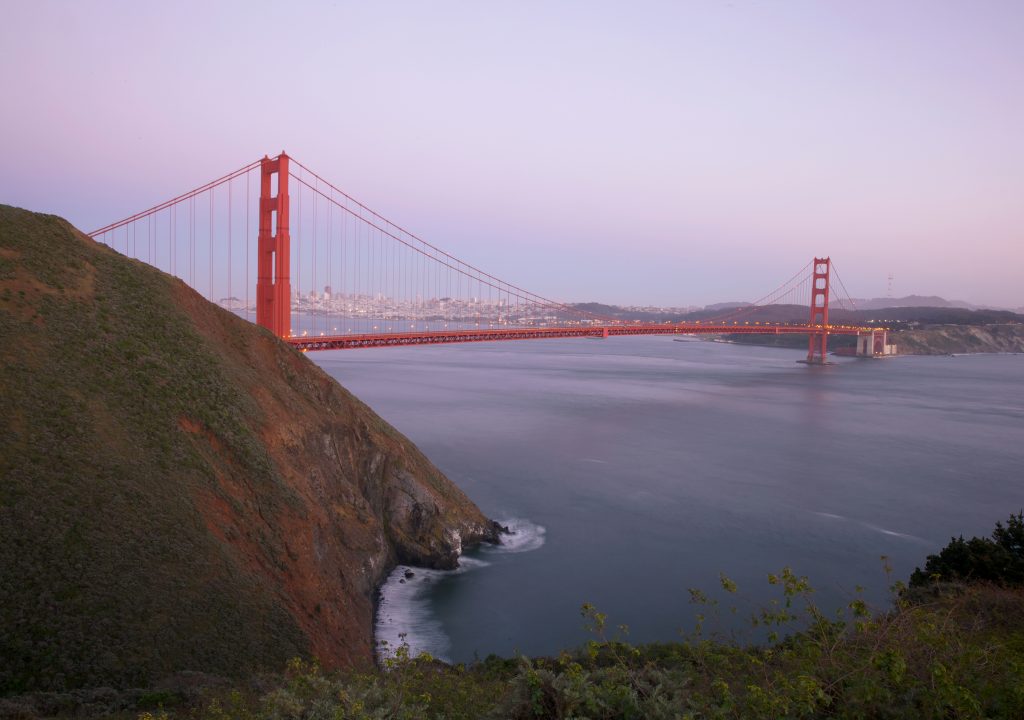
x=874 y=343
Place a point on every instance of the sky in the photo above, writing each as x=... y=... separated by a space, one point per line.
x=665 y=153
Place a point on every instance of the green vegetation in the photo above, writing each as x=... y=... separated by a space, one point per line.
x=100 y=542
x=999 y=561
x=957 y=658
x=178 y=489
x=960 y=655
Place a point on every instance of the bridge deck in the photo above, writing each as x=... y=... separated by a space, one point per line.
x=438 y=337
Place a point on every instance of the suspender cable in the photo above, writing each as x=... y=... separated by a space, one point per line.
x=231 y=301
x=314 y=287
x=248 y=210
x=210 y=253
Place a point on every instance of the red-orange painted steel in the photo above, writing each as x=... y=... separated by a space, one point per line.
x=818 y=341
x=273 y=258
x=439 y=337
x=273 y=297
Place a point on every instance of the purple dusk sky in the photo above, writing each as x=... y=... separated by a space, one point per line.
x=670 y=153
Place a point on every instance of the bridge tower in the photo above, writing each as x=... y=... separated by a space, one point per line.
x=273 y=285
x=818 y=341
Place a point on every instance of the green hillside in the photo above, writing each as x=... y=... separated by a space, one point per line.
x=178 y=489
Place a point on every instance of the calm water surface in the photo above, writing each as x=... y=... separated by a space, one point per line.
x=636 y=468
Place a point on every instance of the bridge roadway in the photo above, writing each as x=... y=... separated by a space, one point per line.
x=438 y=337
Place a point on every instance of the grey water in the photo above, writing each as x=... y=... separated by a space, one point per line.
x=637 y=468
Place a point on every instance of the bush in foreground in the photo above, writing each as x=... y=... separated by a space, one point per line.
x=999 y=560
x=932 y=655
x=961 y=656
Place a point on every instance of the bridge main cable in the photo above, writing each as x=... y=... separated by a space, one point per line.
x=447 y=260
x=174 y=201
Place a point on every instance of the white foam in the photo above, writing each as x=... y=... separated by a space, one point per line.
x=893 y=533
x=404 y=614
x=875 y=528
x=523 y=536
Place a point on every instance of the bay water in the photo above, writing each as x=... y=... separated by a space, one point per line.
x=633 y=469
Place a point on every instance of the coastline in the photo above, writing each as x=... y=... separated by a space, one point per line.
x=928 y=342
x=404 y=593
x=411 y=570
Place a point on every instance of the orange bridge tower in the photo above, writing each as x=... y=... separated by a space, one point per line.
x=818 y=341
x=273 y=285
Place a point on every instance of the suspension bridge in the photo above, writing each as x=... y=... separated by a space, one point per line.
x=351 y=278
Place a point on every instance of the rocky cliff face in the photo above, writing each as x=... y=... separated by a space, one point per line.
x=180 y=490
x=948 y=339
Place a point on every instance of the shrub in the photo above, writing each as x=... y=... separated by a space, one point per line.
x=999 y=560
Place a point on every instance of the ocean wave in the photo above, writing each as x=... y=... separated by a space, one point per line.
x=523 y=536
x=875 y=528
x=404 y=613
x=894 y=533
x=404 y=616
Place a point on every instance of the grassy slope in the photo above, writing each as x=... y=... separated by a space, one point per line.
x=958 y=653
x=178 y=490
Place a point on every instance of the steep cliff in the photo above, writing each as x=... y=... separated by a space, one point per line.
x=949 y=339
x=179 y=489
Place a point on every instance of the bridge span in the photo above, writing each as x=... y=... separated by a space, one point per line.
x=274 y=236
x=437 y=337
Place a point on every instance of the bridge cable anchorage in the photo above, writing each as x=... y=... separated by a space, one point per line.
x=361 y=280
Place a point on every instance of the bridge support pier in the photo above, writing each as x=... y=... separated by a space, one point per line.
x=874 y=343
x=818 y=341
x=273 y=285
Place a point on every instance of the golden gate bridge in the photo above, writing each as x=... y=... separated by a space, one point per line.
x=373 y=283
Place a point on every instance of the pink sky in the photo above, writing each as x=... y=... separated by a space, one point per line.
x=669 y=153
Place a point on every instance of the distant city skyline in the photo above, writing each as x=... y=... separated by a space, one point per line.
x=655 y=153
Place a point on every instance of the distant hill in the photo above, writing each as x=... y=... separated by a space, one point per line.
x=916 y=330
x=939 y=315
x=599 y=308
x=932 y=301
x=955 y=339
x=726 y=306
x=179 y=490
